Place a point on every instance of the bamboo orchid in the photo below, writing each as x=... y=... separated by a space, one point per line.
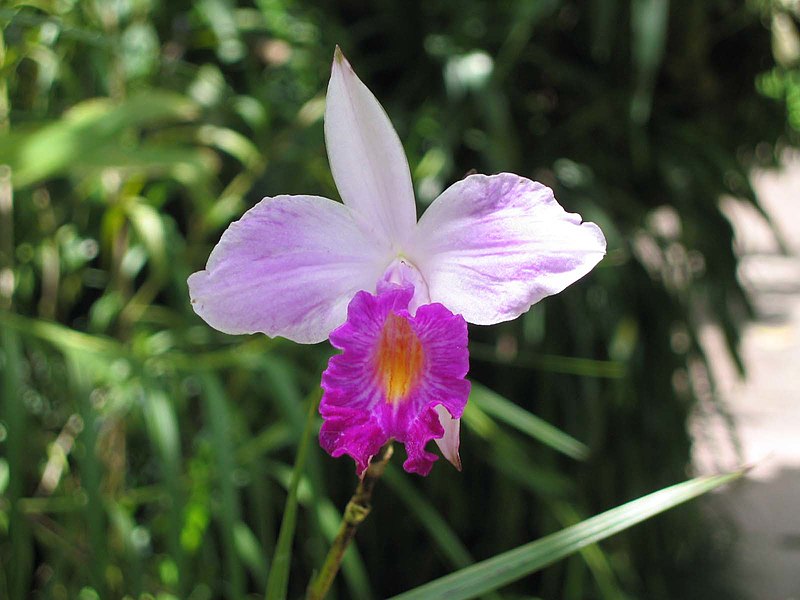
x=394 y=294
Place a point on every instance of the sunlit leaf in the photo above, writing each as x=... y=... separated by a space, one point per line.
x=507 y=567
x=89 y=135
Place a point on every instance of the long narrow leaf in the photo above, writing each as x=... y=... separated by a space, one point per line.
x=216 y=405
x=250 y=552
x=162 y=428
x=91 y=470
x=18 y=571
x=278 y=581
x=330 y=519
x=437 y=527
x=62 y=337
x=511 y=414
x=507 y=567
x=552 y=363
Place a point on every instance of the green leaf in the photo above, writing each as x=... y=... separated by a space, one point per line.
x=250 y=552
x=218 y=415
x=510 y=566
x=162 y=427
x=15 y=419
x=278 y=581
x=230 y=141
x=91 y=468
x=330 y=519
x=511 y=414
x=63 y=338
x=90 y=134
x=552 y=363
x=438 y=528
x=649 y=21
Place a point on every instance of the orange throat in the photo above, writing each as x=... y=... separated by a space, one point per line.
x=399 y=359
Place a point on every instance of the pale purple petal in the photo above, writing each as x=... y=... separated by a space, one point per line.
x=449 y=442
x=367 y=159
x=491 y=246
x=361 y=407
x=287 y=268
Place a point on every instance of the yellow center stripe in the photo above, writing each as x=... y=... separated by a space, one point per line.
x=399 y=359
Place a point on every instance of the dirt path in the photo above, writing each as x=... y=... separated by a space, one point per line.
x=766 y=406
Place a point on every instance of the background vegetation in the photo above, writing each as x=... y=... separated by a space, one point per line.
x=144 y=453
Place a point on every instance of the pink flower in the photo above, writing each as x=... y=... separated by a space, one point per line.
x=394 y=294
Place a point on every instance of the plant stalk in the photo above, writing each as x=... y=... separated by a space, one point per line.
x=354 y=514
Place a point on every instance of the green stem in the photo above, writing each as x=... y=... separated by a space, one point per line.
x=354 y=514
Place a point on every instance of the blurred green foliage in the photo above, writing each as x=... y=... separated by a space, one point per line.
x=145 y=453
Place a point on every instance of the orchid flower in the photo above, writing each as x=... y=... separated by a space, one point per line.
x=395 y=295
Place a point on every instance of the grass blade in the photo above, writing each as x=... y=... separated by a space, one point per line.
x=91 y=469
x=251 y=553
x=551 y=363
x=18 y=571
x=441 y=533
x=219 y=417
x=509 y=566
x=162 y=427
x=353 y=570
x=63 y=338
x=649 y=24
x=278 y=581
x=511 y=414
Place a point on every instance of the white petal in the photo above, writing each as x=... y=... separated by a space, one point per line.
x=287 y=268
x=448 y=444
x=491 y=246
x=367 y=159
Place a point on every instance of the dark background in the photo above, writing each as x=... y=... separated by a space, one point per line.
x=143 y=452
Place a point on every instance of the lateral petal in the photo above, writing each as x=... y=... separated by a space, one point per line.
x=367 y=159
x=491 y=246
x=450 y=441
x=287 y=268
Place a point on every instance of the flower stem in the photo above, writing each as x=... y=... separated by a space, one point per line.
x=354 y=514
